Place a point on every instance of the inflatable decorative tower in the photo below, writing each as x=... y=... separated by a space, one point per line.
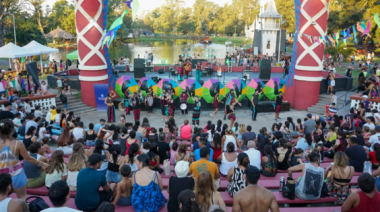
x=90 y=16
x=303 y=81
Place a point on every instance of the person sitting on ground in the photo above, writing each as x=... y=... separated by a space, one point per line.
x=59 y=195
x=268 y=162
x=367 y=199
x=56 y=170
x=312 y=174
x=181 y=154
x=254 y=197
x=235 y=175
x=77 y=161
x=187 y=201
x=64 y=142
x=296 y=158
x=207 y=196
x=178 y=183
x=185 y=130
x=147 y=187
x=89 y=197
x=8 y=204
x=124 y=188
x=114 y=163
x=34 y=174
x=130 y=158
x=340 y=177
x=304 y=143
x=283 y=153
x=202 y=143
x=356 y=154
x=228 y=159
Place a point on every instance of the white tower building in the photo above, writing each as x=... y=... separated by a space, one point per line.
x=270 y=22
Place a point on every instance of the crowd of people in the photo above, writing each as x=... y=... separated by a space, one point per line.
x=127 y=160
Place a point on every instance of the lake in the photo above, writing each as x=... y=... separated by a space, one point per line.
x=162 y=50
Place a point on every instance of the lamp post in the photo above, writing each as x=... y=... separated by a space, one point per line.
x=14 y=25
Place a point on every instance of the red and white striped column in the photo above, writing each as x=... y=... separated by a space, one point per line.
x=311 y=20
x=92 y=63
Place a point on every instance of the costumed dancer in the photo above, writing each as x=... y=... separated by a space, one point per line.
x=255 y=104
x=198 y=72
x=110 y=107
x=180 y=72
x=126 y=102
x=187 y=69
x=136 y=106
x=170 y=107
x=170 y=90
x=184 y=98
x=163 y=105
x=231 y=113
x=229 y=97
x=196 y=111
x=215 y=104
x=149 y=102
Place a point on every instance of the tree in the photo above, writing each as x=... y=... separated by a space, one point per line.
x=37 y=5
x=287 y=10
x=6 y=6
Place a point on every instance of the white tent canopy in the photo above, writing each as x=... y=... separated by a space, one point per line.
x=13 y=51
x=39 y=48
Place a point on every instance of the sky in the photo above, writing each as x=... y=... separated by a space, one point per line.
x=149 y=5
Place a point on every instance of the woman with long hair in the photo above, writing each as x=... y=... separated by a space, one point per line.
x=216 y=146
x=33 y=172
x=130 y=158
x=207 y=127
x=147 y=187
x=181 y=154
x=304 y=142
x=62 y=121
x=99 y=148
x=215 y=103
x=169 y=131
x=374 y=156
x=330 y=137
x=70 y=122
x=77 y=161
x=30 y=137
x=340 y=177
x=230 y=137
x=110 y=107
x=224 y=128
x=228 y=159
x=56 y=170
x=132 y=139
x=114 y=162
x=187 y=201
x=242 y=129
x=268 y=162
x=123 y=140
x=283 y=153
x=292 y=126
x=262 y=144
x=299 y=127
x=235 y=176
x=64 y=141
x=263 y=133
x=208 y=198
x=218 y=128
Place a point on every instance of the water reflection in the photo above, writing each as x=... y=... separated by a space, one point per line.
x=162 y=50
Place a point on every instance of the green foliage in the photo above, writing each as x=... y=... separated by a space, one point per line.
x=347 y=50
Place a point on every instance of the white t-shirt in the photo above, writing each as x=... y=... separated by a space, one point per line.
x=52 y=178
x=40 y=133
x=371 y=126
x=61 y=209
x=57 y=118
x=66 y=150
x=376 y=115
x=72 y=178
x=48 y=117
x=254 y=157
x=374 y=139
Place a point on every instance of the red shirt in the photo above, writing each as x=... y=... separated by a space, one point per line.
x=367 y=204
x=217 y=153
x=372 y=158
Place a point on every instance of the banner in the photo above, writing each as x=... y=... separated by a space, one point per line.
x=101 y=91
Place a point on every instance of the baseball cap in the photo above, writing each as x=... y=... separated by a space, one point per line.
x=309 y=115
x=365 y=97
x=94 y=159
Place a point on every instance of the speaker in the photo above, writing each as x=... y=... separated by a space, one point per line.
x=265 y=69
x=138 y=63
x=161 y=71
x=156 y=79
x=33 y=71
x=139 y=73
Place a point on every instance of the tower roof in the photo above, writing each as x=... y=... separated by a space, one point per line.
x=270 y=11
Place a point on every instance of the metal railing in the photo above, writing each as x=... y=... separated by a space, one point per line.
x=345 y=96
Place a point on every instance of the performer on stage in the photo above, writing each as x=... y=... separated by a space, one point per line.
x=126 y=102
x=170 y=107
x=180 y=72
x=110 y=107
x=170 y=90
x=255 y=104
x=163 y=105
x=198 y=72
x=231 y=113
x=136 y=106
x=149 y=102
x=184 y=97
x=187 y=69
x=196 y=111
x=215 y=104
x=230 y=97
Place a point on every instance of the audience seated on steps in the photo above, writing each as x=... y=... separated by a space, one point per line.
x=8 y=204
x=235 y=175
x=34 y=173
x=57 y=169
x=59 y=194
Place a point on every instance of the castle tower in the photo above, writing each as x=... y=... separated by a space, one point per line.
x=270 y=21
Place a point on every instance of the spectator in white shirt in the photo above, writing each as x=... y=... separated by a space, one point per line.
x=58 y=117
x=370 y=122
x=376 y=115
x=253 y=154
x=374 y=138
x=38 y=112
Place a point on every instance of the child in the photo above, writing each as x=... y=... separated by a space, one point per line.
x=297 y=157
x=39 y=92
x=332 y=112
x=160 y=130
x=373 y=93
x=173 y=151
x=124 y=188
x=59 y=85
x=44 y=87
x=45 y=143
x=172 y=141
x=146 y=147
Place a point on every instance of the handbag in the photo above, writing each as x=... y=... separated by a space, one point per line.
x=289 y=190
x=37 y=205
x=324 y=191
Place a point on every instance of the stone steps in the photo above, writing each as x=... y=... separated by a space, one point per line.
x=75 y=104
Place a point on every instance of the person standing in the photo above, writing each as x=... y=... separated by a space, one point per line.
x=180 y=72
x=215 y=104
x=230 y=97
x=110 y=107
x=196 y=111
x=149 y=102
x=136 y=106
x=279 y=99
x=331 y=81
x=184 y=97
x=254 y=197
x=59 y=85
x=198 y=72
x=255 y=104
x=54 y=66
x=126 y=102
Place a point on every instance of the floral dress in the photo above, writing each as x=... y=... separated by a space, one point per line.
x=340 y=193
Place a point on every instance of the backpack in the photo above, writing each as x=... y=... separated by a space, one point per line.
x=63 y=98
x=37 y=205
x=358 y=123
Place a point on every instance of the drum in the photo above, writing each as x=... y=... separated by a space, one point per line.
x=133 y=102
x=122 y=106
x=183 y=106
x=149 y=101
